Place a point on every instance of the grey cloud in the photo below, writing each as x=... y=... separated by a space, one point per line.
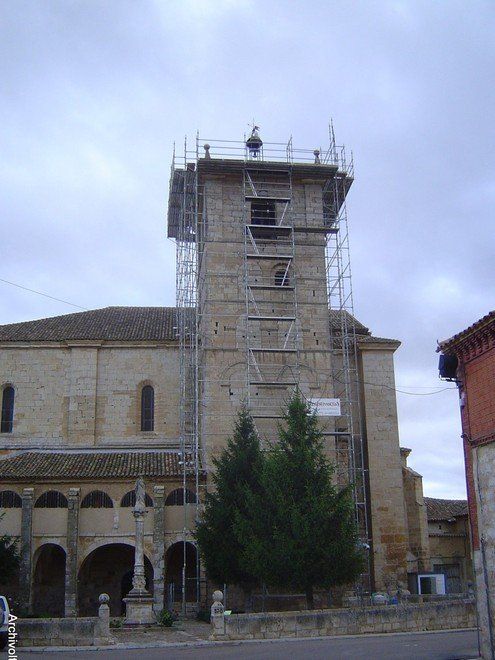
x=94 y=95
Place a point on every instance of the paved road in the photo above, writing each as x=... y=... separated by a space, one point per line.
x=414 y=646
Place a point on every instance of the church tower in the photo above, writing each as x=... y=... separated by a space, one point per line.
x=264 y=302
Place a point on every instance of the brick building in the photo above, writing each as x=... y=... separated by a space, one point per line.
x=469 y=358
x=450 y=543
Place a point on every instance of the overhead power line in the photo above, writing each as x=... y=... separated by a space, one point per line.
x=66 y=302
x=40 y=293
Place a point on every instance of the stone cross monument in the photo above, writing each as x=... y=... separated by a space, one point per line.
x=139 y=602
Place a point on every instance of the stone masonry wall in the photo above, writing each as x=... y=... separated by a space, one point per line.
x=89 y=396
x=388 y=521
x=82 y=631
x=384 y=619
x=417 y=522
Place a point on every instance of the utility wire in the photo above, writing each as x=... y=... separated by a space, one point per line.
x=66 y=302
x=40 y=293
x=395 y=389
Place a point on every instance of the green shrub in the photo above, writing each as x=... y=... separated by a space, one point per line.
x=166 y=618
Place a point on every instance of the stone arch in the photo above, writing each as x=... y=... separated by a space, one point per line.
x=129 y=499
x=97 y=499
x=49 y=580
x=108 y=569
x=9 y=499
x=280 y=267
x=233 y=379
x=51 y=499
x=176 y=497
x=174 y=560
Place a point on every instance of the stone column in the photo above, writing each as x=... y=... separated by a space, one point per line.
x=26 y=549
x=139 y=578
x=158 y=547
x=71 y=557
x=139 y=603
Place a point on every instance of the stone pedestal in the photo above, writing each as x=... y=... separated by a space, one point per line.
x=217 y=618
x=139 y=609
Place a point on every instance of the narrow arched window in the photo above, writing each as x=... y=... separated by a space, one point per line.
x=282 y=278
x=176 y=497
x=129 y=499
x=147 y=408
x=10 y=500
x=7 y=424
x=97 y=499
x=52 y=499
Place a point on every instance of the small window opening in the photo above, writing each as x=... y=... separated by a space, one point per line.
x=129 y=499
x=10 y=500
x=7 y=423
x=52 y=499
x=97 y=499
x=282 y=278
x=176 y=497
x=263 y=213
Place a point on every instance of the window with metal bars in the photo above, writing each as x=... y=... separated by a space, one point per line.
x=97 y=499
x=7 y=423
x=129 y=499
x=176 y=497
x=147 y=408
x=10 y=500
x=52 y=499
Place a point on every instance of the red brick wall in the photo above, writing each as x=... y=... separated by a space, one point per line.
x=480 y=386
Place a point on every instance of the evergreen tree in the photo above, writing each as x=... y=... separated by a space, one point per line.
x=237 y=474
x=299 y=531
x=9 y=558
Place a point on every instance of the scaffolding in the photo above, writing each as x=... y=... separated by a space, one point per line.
x=272 y=226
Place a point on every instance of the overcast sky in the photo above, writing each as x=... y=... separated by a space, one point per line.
x=94 y=93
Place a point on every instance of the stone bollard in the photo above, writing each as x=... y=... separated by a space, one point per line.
x=217 y=616
x=102 y=631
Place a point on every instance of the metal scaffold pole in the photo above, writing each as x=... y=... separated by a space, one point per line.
x=183 y=199
x=345 y=370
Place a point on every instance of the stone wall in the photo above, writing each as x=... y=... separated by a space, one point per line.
x=416 y=517
x=484 y=478
x=84 y=631
x=386 y=491
x=90 y=396
x=383 y=619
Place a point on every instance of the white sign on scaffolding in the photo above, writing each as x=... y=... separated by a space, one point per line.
x=326 y=407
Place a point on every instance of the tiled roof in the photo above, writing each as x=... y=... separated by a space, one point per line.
x=109 y=324
x=130 y=324
x=437 y=509
x=89 y=465
x=335 y=316
x=487 y=320
x=371 y=339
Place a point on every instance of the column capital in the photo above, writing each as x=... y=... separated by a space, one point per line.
x=159 y=491
x=28 y=493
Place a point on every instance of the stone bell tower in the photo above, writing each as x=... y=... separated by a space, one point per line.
x=259 y=216
x=264 y=304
